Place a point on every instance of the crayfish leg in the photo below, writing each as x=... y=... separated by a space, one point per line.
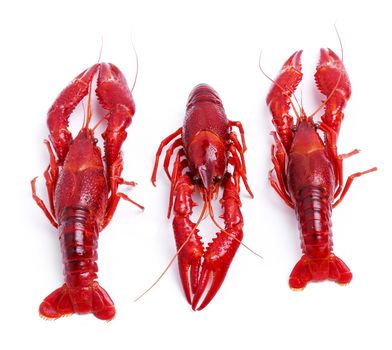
x=278 y=157
x=349 y=182
x=164 y=143
x=41 y=204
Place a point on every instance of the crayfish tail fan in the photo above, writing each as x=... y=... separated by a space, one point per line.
x=57 y=304
x=310 y=269
x=65 y=301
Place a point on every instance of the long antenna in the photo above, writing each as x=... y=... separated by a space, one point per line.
x=88 y=119
x=340 y=40
x=137 y=64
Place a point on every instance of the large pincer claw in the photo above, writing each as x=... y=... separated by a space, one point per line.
x=279 y=97
x=189 y=246
x=217 y=260
x=333 y=82
x=221 y=251
x=114 y=95
x=62 y=108
x=189 y=257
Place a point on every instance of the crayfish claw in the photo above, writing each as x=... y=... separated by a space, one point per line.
x=189 y=273
x=205 y=277
x=331 y=74
x=333 y=82
x=279 y=97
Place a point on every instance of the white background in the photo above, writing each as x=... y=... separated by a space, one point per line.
x=44 y=45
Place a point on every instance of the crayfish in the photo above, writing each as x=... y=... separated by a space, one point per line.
x=83 y=187
x=308 y=168
x=206 y=146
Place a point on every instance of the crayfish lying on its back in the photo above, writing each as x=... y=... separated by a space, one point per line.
x=206 y=146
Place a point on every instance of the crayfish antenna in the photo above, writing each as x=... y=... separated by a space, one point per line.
x=98 y=61
x=340 y=40
x=137 y=64
x=89 y=113
x=87 y=119
x=177 y=253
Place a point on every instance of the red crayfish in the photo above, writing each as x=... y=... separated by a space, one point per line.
x=309 y=172
x=83 y=187
x=206 y=146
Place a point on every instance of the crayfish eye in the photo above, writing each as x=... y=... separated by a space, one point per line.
x=95 y=140
x=316 y=126
x=196 y=179
x=294 y=128
x=217 y=179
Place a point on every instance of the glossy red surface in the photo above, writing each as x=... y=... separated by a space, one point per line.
x=83 y=190
x=204 y=134
x=205 y=147
x=309 y=173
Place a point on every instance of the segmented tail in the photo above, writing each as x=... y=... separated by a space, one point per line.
x=80 y=293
